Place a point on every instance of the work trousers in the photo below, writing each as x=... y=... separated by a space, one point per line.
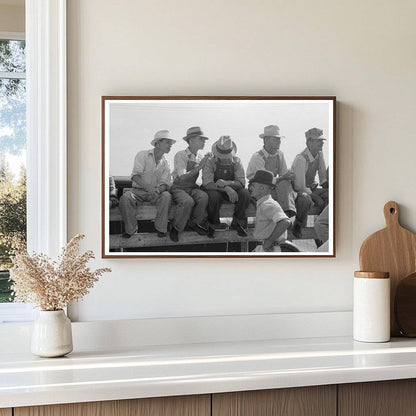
x=322 y=225
x=216 y=199
x=193 y=201
x=131 y=200
x=304 y=203
x=285 y=195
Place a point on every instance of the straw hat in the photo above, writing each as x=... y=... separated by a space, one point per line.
x=315 y=134
x=271 y=131
x=194 y=132
x=224 y=148
x=161 y=134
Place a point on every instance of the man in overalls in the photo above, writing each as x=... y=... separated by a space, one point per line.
x=305 y=167
x=271 y=158
x=187 y=195
x=223 y=178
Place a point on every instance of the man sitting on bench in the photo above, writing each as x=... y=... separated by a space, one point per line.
x=191 y=202
x=272 y=158
x=151 y=178
x=223 y=177
x=305 y=167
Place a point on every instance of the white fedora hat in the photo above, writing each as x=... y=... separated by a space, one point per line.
x=271 y=131
x=162 y=134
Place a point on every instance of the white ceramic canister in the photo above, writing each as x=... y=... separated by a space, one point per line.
x=52 y=334
x=371 y=307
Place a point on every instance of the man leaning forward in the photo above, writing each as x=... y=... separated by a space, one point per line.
x=271 y=221
x=224 y=179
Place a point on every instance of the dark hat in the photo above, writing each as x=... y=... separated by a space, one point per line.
x=194 y=132
x=265 y=177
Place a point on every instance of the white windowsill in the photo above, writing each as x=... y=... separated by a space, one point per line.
x=16 y=313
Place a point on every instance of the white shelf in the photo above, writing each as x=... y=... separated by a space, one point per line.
x=150 y=371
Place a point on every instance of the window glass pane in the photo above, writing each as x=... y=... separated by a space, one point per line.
x=12 y=55
x=12 y=158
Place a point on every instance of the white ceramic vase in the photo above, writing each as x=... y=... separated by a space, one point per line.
x=52 y=334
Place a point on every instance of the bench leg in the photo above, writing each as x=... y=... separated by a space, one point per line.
x=244 y=246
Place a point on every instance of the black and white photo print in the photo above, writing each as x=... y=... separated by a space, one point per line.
x=218 y=176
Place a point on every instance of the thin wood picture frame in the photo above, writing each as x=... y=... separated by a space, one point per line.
x=163 y=192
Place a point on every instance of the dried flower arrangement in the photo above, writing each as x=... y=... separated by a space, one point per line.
x=52 y=285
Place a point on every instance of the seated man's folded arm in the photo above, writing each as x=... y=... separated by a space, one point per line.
x=208 y=176
x=299 y=169
x=239 y=176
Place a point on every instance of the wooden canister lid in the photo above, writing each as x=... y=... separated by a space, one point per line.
x=372 y=275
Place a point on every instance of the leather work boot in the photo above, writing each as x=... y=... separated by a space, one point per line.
x=174 y=234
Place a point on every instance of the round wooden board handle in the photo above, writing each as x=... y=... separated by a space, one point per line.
x=391 y=214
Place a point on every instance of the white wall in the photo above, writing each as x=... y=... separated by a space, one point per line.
x=362 y=52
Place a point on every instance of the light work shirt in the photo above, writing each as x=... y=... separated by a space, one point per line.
x=184 y=162
x=305 y=167
x=263 y=160
x=268 y=214
x=208 y=172
x=145 y=166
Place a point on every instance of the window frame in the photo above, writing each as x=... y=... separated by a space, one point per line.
x=46 y=127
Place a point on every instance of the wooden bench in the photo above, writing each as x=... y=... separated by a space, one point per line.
x=147 y=212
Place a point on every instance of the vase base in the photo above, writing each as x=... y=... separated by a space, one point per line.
x=58 y=352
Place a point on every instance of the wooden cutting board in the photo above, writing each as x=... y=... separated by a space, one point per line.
x=393 y=250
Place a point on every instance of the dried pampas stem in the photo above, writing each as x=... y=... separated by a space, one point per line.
x=53 y=285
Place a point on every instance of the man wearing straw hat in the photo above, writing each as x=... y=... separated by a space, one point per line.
x=305 y=167
x=271 y=158
x=223 y=178
x=187 y=195
x=151 y=178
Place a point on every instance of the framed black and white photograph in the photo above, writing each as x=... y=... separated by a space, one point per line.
x=218 y=177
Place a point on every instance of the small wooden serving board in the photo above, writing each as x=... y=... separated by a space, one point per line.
x=393 y=250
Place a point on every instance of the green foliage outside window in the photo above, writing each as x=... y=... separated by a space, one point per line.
x=12 y=143
x=12 y=222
